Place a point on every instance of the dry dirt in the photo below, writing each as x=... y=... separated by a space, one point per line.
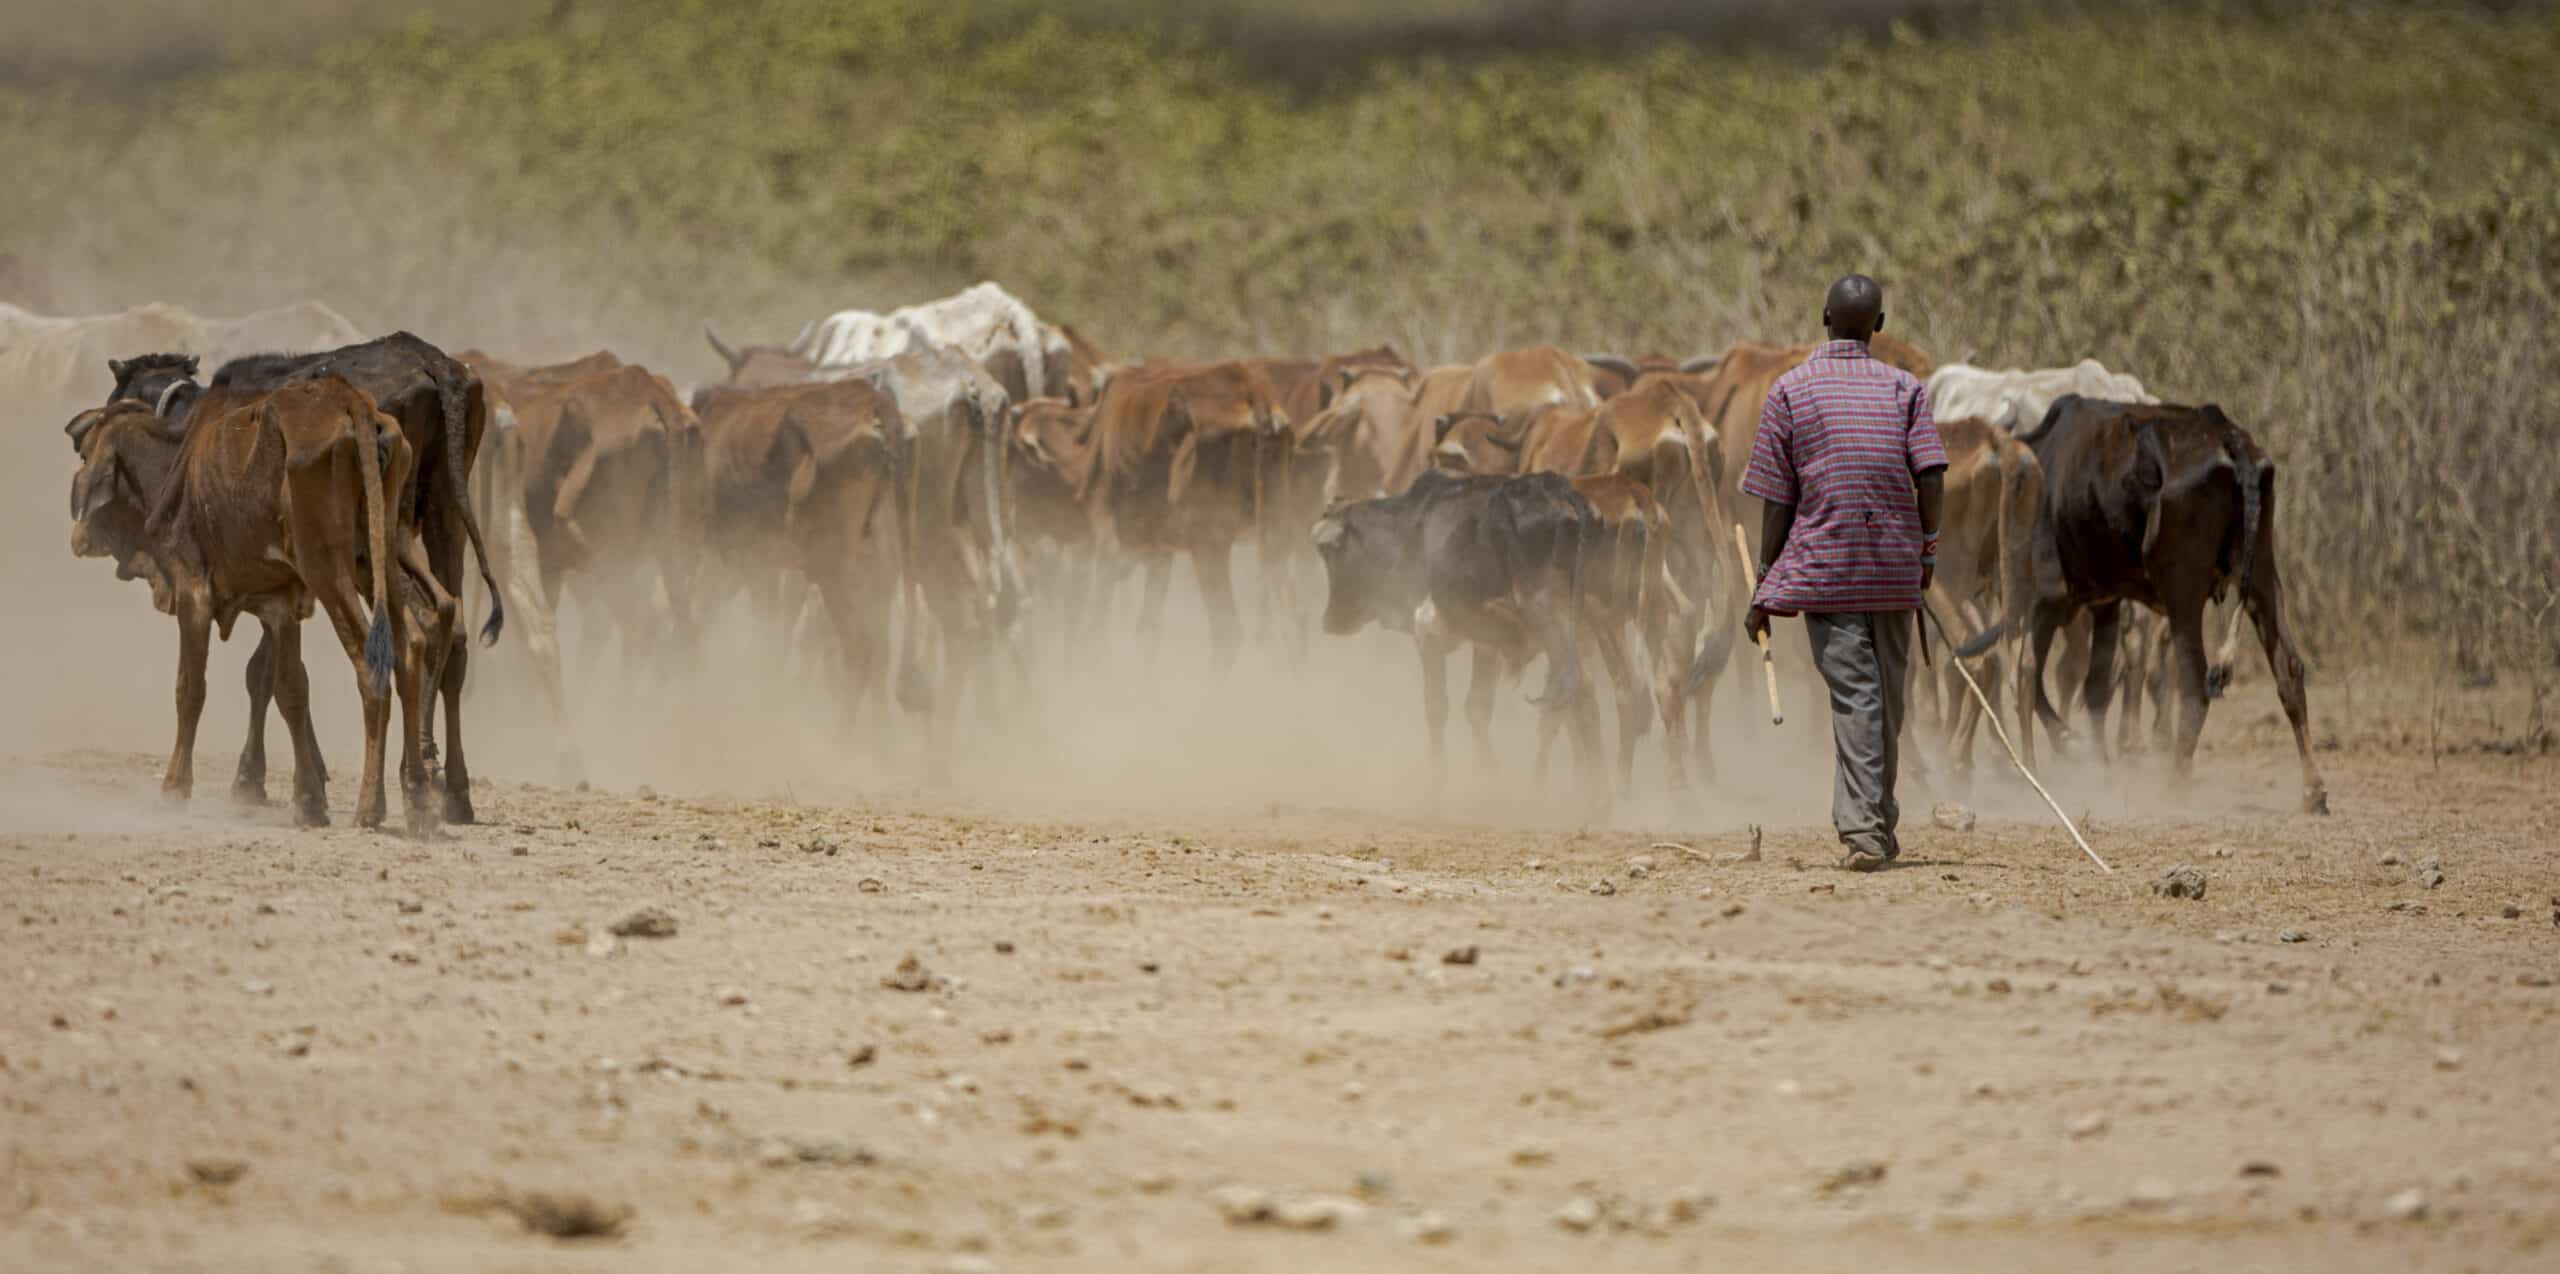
x=928 y=1029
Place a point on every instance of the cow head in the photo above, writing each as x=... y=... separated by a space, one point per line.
x=1364 y=567
x=164 y=382
x=758 y=366
x=124 y=459
x=1478 y=442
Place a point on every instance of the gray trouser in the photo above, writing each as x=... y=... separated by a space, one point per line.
x=1864 y=656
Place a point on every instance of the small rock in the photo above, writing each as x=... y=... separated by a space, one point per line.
x=2408 y=1205
x=910 y=975
x=1537 y=864
x=603 y=944
x=1575 y=976
x=2430 y=879
x=870 y=885
x=1579 y=1214
x=2279 y=988
x=258 y=986
x=1428 y=1228
x=2293 y=935
x=2260 y=1168
x=1857 y=1173
x=2448 y=1059
x=861 y=1055
x=1315 y=1214
x=730 y=997
x=2088 y=1125
x=1241 y=1205
x=1953 y=817
x=647 y=922
x=404 y=954
x=2181 y=881
x=1604 y=887
x=1155 y=1183
x=2511 y=912
x=1374 y=1184
x=1531 y=1156
x=410 y=906
x=2404 y=905
x=2532 y=977
x=2388 y=859
x=1997 y=986
x=2428 y=871
x=1003 y=947
x=1640 y=866
x=1459 y=955
x=217 y=1170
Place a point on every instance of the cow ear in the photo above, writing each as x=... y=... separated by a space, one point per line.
x=115 y=367
x=1349 y=374
x=191 y=364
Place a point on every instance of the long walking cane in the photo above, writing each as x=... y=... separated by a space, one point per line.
x=2002 y=733
x=1751 y=588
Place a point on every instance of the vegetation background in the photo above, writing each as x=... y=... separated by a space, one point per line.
x=2342 y=222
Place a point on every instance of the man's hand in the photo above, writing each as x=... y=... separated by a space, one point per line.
x=1756 y=625
x=1928 y=574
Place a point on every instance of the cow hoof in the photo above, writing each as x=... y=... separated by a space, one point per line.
x=310 y=814
x=457 y=808
x=2216 y=679
x=248 y=795
x=2316 y=801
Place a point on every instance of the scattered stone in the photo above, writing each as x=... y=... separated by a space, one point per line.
x=1155 y=1183
x=410 y=906
x=1428 y=1228
x=647 y=922
x=2388 y=859
x=217 y=1170
x=2404 y=905
x=870 y=885
x=1604 y=887
x=730 y=997
x=862 y=1055
x=1459 y=955
x=2293 y=935
x=2533 y=978
x=1997 y=986
x=1315 y=1214
x=1855 y=1174
x=1579 y=1214
x=1953 y=817
x=603 y=944
x=821 y=844
x=1374 y=1184
x=2448 y=1059
x=2279 y=988
x=1575 y=976
x=258 y=986
x=404 y=954
x=1242 y=1205
x=2429 y=871
x=2181 y=881
x=1003 y=947
x=2260 y=1168
x=1531 y=1156
x=2088 y=1125
x=2511 y=912
x=2408 y=1205
x=910 y=975
x=1752 y=855
x=1640 y=867
x=1040 y=1215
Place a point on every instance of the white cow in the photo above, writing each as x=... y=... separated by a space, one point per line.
x=1028 y=357
x=2016 y=400
x=58 y=360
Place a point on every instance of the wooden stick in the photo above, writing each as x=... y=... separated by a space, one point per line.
x=1751 y=588
x=2002 y=733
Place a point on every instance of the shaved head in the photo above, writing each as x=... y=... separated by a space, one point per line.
x=1853 y=309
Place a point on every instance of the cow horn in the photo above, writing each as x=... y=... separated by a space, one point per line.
x=161 y=408
x=1329 y=531
x=800 y=344
x=1701 y=364
x=84 y=422
x=1613 y=363
x=733 y=358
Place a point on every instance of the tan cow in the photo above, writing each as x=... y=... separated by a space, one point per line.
x=1515 y=381
x=265 y=509
x=1986 y=572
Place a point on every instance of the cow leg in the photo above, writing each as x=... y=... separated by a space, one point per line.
x=341 y=599
x=2045 y=620
x=2097 y=687
x=293 y=697
x=409 y=678
x=1435 y=703
x=444 y=553
x=2265 y=604
x=249 y=781
x=1669 y=697
x=1484 y=674
x=195 y=639
x=1633 y=697
x=2186 y=636
x=2163 y=669
x=1158 y=568
x=2217 y=675
x=1214 y=568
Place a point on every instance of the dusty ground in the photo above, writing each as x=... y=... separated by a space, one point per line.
x=1994 y=1057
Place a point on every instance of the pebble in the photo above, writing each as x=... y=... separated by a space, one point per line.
x=1530 y=1156
x=2448 y=1059
x=2088 y=1125
x=217 y=1170
x=647 y=922
x=404 y=954
x=603 y=944
x=258 y=986
x=2532 y=978
x=1575 y=976
x=410 y=906
x=2429 y=871
x=1459 y=955
x=2293 y=935
x=910 y=975
x=1640 y=866
x=1604 y=887
x=730 y=997
x=1003 y=947
x=2388 y=859
x=1953 y=817
x=1316 y=1213
x=870 y=885
x=2260 y=1168
x=2181 y=881
x=1997 y=986
x=862 y=1055
x=1374 y=1183
x=2511 y=912
x=1579 y=1214
x=1855 y=1173
x=1429 y=1228
x=1241 y=1205
x=2408 y=1205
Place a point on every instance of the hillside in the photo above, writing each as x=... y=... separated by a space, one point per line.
x=2337 y=227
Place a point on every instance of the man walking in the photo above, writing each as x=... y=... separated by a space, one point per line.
x=1851 y=474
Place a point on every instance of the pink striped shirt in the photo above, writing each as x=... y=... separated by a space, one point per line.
x=1841 y=438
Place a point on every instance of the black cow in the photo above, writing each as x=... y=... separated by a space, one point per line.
x=1495 y=563
x=2166 y=506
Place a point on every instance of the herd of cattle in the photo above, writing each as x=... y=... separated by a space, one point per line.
x=942 y=485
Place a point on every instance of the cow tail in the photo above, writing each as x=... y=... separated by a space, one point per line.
x=2252 y=505
x=1564 y=681
x=458 y=481
x=377 y=516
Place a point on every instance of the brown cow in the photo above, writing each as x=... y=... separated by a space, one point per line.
x=1178 y=468
x=265 y=509
x=2167 y=507
x=1052 y=468
x=599 y=477
x=1733 y=390
x=1514 y=381
x=1986 y=534
x=803 y=479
